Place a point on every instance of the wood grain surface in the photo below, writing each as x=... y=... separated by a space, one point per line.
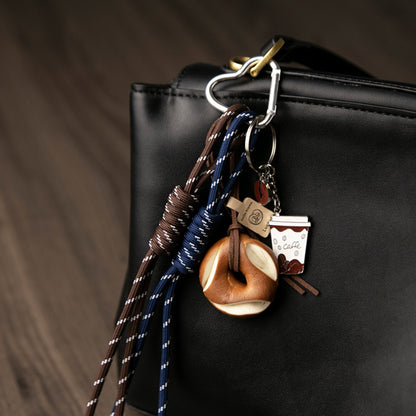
x=65 y=73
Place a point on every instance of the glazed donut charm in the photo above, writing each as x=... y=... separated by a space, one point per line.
x=259 y=266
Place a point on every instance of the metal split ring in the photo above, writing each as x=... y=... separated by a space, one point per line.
x=255 y=124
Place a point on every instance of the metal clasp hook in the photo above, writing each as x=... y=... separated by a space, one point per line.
x=274 y=86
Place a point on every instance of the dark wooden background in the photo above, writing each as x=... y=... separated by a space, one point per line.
x=65 y=72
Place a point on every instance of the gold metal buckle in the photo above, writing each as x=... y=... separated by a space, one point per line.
x=238 y=61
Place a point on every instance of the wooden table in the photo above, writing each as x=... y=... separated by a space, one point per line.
x=65 y=72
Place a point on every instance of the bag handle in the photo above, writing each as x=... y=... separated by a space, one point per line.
x=313 y=56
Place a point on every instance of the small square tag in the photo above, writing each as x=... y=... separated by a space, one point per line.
x=252 y=215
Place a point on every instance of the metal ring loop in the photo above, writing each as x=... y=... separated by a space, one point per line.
x=237 y=62
x=255 y=124
x=274 y=86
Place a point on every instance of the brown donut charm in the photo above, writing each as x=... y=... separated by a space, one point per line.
x=259 y=266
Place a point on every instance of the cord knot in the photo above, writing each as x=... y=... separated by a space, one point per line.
x=179 y=210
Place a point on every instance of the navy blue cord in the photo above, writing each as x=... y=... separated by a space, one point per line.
x=203 y=227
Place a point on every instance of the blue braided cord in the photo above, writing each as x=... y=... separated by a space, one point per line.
x=231 y=181
x=171 y=274
x=162 y=286
x=234 y=175
x=164 y=362
x=236 y=172
x=203 y=226
x=217 y=176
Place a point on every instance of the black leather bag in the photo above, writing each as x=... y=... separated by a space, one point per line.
x=347 y=159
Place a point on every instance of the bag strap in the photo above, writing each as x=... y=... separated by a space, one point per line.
x=313 y=56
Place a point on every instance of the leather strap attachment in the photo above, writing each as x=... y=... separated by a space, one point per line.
x=313 y=57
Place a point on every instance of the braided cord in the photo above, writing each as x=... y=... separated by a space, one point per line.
x=202 y=228
x=195 y=181
x=178 y=213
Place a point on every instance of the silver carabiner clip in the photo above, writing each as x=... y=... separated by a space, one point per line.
x=274 y=87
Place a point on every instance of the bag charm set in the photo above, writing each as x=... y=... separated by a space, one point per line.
x=206 y=229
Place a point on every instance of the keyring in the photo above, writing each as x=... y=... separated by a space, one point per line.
x=255 y=124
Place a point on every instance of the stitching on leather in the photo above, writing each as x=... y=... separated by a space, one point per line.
x=286 y=99
x=364 y=110
x=353 y=81
x=168 y=92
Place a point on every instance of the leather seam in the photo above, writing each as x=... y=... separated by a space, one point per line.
x=177 y=82
x=351 y=81
x=327 y=77
x=286 y=99
x=345 y=107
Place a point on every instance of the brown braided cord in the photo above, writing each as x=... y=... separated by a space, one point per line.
x=178 y=213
